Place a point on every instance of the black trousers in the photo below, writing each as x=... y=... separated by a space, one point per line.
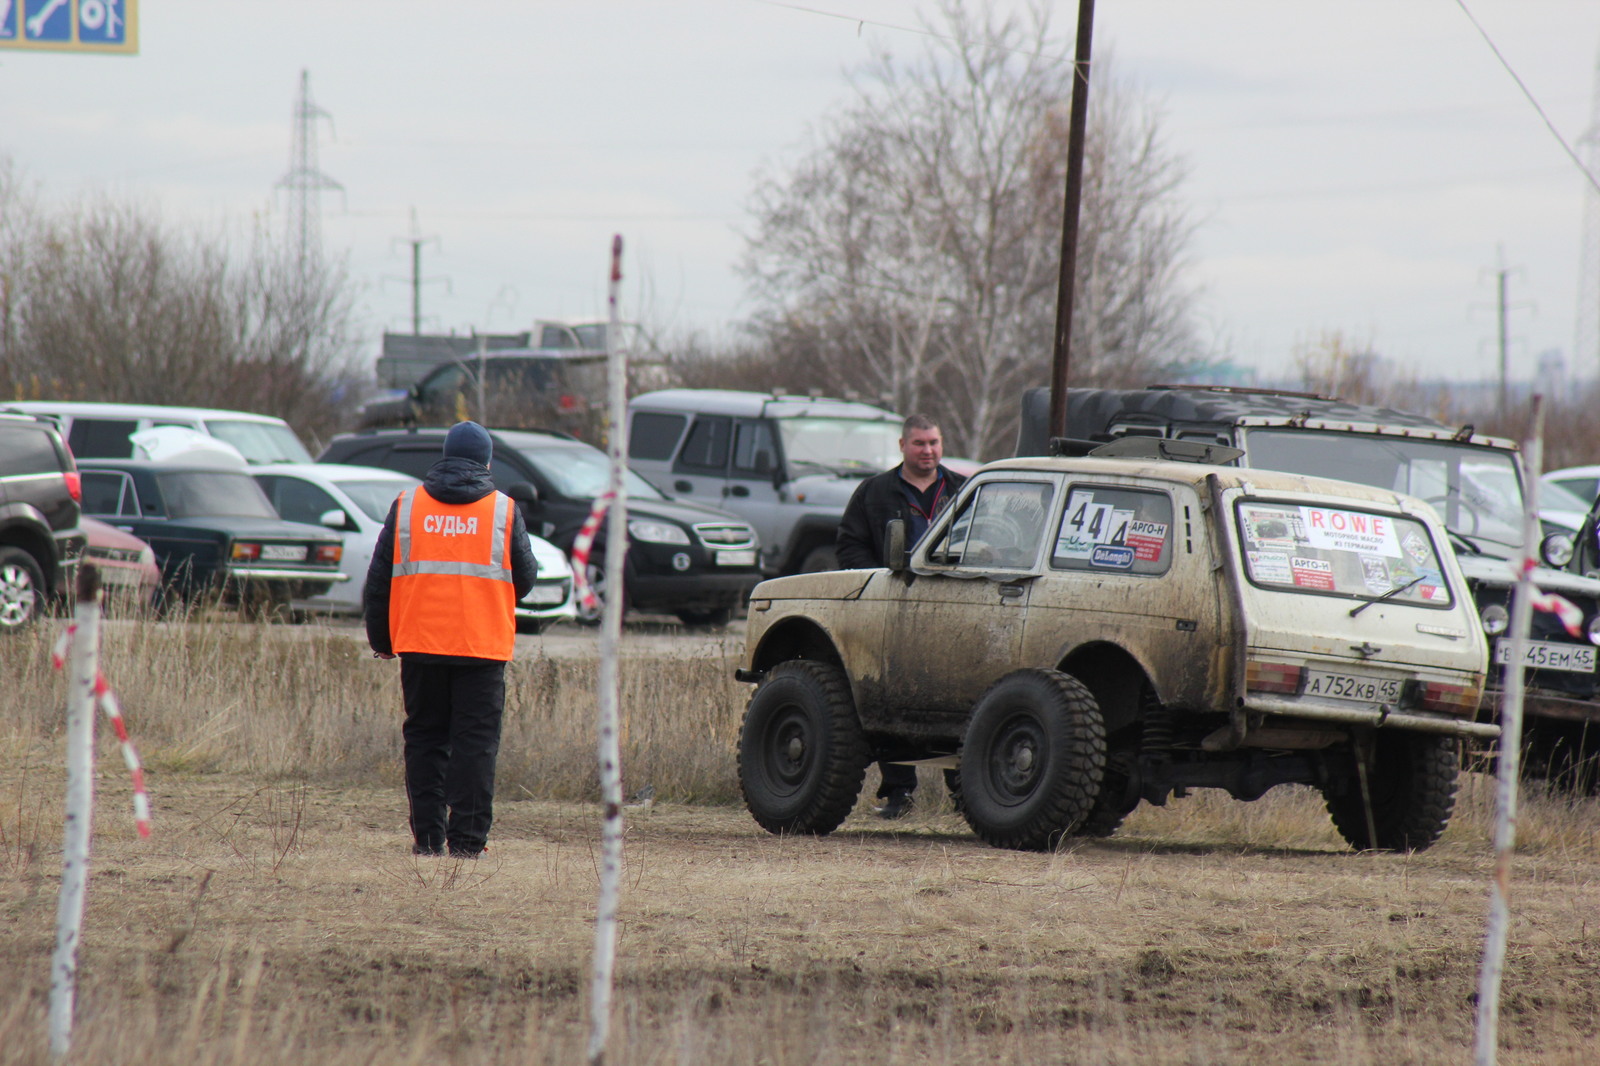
x=452 y=738
x=896 y=778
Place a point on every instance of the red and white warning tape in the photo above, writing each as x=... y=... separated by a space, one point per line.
x=1569 y=613
x=107 y=702
x=582 y=544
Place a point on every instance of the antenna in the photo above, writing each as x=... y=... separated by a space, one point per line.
x=1586 y=349
x=304 y=180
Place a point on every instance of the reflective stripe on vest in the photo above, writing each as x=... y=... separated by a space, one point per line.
x=452 y=590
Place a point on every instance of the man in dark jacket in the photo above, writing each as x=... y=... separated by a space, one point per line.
x=449 y=566
x=916 y=490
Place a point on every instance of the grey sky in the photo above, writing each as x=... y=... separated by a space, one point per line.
x=1354 y=163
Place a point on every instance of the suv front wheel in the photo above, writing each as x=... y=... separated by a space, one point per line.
x=802 y=756
x=1032 y=760
x=21 y=590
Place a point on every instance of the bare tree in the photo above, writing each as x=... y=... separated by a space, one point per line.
x=106 y=303
x=912 y=250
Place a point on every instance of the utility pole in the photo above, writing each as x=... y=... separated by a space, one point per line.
x=1500 y=318
x=304 y=180
x=416 y=241
x=1586 y=347
x=1069 y=221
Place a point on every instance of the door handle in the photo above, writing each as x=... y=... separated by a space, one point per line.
x=739 y=490
x=682 y=486
x=1011 y=591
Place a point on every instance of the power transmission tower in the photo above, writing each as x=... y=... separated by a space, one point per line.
x=1586 y=350
x=304 y=180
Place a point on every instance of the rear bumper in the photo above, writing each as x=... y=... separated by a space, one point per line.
x=1376 y=716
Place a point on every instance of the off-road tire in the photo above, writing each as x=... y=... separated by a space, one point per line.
x=1111 y=805
x=22 y=590
x=1032 y=760
x=1413 y=785
x=802 y=757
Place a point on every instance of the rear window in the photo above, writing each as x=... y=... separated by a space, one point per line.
x=102 y=438
x=260 y=442
x=1336 y=551
x=193 y=494
x=28 y=450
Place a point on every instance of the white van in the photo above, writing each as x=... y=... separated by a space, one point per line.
x=101 y=430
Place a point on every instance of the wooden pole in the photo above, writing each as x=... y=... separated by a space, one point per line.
x=1067 y=282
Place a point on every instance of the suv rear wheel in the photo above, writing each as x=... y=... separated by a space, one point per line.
x=1412 y=782
x=1032 y=760
x=21 y=590
x=802 y=757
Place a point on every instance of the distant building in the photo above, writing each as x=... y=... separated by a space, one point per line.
x=407 y=357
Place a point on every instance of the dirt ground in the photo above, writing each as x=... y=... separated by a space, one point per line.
x=280 y=922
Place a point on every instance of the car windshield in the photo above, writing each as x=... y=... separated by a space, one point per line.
x=374 y=497
x=194 y=493
x=260 y=442
x=1554 y=497
x=1340 y=552
x=579 y=472
x=1476 y=490
x=842 y=445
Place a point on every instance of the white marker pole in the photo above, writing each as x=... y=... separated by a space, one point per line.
x=605 y=926
x=1505 y=827
x=83 y=668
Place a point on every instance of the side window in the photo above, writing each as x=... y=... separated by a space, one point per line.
x=1111 y=529
x=1000 y=528
x=109 y=493
x=754 y=452
x=416 y=461
x=102 y=438
x=300 y=501
x=707 y=447
x=442 y=386
x=654 y=435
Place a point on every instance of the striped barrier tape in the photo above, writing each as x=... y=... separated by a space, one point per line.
x=107 y=701
x=582 y=544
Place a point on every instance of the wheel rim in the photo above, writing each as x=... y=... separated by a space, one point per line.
x=596 y=577
x=787 y=749
x=16 y=596
x=1015 y=759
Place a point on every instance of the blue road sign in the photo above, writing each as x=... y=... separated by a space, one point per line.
x=70 y=25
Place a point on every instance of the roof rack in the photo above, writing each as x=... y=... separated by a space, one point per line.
x=1163 y=448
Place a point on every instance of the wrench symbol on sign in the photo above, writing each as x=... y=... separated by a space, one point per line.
x=36 y=22
x=5 y=13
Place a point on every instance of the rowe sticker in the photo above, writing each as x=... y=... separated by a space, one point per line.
x=1331 y=529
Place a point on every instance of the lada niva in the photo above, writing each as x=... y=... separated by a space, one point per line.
x=1079 y=634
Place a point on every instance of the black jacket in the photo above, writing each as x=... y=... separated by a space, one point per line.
x=450 y=480
x=862 y=537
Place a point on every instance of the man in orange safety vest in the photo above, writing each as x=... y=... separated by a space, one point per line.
x=449 y=566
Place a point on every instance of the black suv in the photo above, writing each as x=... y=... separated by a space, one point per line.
x=686 y=559
x=40 y=539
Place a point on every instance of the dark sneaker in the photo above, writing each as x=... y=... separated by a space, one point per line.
x=427 y=851
x=894 y=805
x=467 y=853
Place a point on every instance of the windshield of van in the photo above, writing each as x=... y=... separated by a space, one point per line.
x=1476 y=490
x=582 y=473
x=1340 y=552
x=260 y=442
x=839 y=445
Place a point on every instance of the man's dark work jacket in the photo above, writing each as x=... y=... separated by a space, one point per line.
x=450 y=481
x=862 y=539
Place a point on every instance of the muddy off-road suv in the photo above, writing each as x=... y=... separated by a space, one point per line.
x=1078 y=634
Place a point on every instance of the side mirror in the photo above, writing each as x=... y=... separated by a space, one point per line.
x=895 y=555
x=524 y=493
x=334 y=519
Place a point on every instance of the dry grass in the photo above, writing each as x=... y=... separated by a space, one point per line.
x=277 y=917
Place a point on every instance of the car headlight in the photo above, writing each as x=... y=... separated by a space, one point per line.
x=657 y=532
x=1594 y=630
x=1495 y=619
x=1556 y=549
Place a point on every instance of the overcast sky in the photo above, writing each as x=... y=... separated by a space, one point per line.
x=1355 y=165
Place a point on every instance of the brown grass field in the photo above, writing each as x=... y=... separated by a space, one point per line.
x=277 y=916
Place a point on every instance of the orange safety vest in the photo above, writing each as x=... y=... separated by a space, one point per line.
x=452 y=593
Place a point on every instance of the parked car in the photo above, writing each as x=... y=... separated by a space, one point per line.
x=40 y=535
x=355 y=500
x=1475 y=482
x=786 y=464
x=214 y=533
x=129 y=573
x=1074 y=636
x=683 y=558
x=1581 y=481
x=522 y=387
x=101 y=430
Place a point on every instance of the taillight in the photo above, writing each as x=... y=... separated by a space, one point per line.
x=1272 y=677
x=245 y=552
x=330 y=553
x=1449 y=699
x=568 y=403
x=75 y=485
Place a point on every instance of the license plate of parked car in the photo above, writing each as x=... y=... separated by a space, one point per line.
x=1354 y=687
x=745 y=557
x=283 y=552
x=1548 y=655
x=545 y=594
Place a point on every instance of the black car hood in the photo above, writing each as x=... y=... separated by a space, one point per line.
x=682 y=511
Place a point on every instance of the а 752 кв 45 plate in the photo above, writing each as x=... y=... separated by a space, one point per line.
x=1546 y=655
x=1354 y=687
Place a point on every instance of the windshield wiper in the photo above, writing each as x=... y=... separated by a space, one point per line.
x=1397 y=590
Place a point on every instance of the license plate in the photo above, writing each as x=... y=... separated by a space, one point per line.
x=746 y=557
x=545 y=595
x=283 y=552
x=1548 y=655
x=1353 y=687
